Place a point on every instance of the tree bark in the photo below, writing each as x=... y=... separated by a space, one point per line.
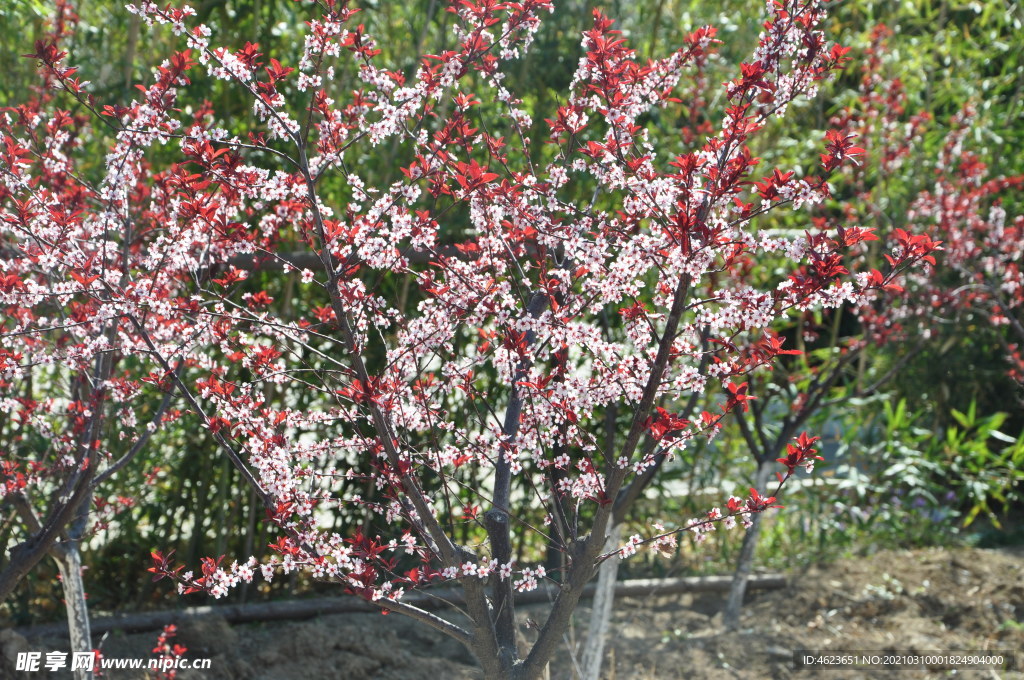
x=69 y=562
x=70 y=565
x=745 y=563
x=601 y=613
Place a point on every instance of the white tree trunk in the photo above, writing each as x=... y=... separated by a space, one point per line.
x=69 y=561
x=601 y=614
x=745 y=563
x=68 y=556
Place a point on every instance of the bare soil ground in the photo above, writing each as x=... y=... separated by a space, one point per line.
x=922 y=601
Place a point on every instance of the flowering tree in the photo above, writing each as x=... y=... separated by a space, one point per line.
x=60 y=390
x=837 y=349
x=566 y=312
x=977 y=274
x=986 y=242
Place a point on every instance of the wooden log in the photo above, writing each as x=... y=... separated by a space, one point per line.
x=439 y=598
